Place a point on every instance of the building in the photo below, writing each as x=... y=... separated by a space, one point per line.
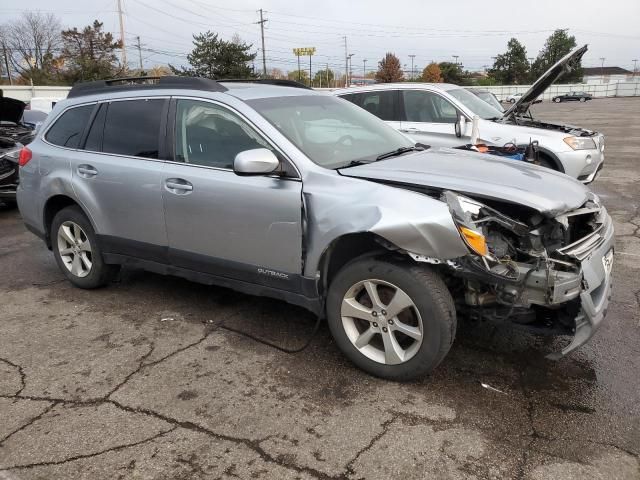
x=608 y=75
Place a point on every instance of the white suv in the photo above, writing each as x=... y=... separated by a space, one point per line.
x=441 y=115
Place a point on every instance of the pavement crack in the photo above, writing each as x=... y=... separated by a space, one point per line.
x=385 y=428
x=89 y=455
x=29 y=423
x=23 y=376
x=254 y=445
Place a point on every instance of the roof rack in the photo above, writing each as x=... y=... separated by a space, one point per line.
x=144 y=83
x=268 y=81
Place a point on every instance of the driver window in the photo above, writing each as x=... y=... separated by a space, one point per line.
x=427 y=107
x=210 y=135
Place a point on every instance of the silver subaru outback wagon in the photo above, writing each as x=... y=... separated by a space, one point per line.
x=289 y=193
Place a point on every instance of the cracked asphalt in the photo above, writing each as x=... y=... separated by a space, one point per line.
x=142 y=380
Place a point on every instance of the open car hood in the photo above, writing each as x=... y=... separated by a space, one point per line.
x=565 y=64
x=481 y=176
x=11 y=109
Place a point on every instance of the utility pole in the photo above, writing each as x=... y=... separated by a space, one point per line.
x=635 y=60
x=328 y=84
x=602 y=70
x=349 y=68
x=6 y=63
x=264 y=59
x=456 y=57
x=412 y=57
x=346 y=63
x=364 y=70
x=139 y=53
x=124 y=47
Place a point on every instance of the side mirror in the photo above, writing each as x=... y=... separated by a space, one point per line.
x=460 y=125
x=259 y=161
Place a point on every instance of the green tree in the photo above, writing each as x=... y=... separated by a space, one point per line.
x=451 y=73
x=431 y=73
x=389 y=69
x=320 y=78
x=557 y=46
x=89 y=54
x=215 y=58
x=301 y=76
x=511 y=67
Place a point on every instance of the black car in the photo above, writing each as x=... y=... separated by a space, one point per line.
x=572 y=96
x=14 y=134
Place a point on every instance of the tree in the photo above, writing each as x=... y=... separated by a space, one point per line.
x=320 y=78
x=89 y=54
x=32 y=41
x=159 y=71
x=451 y=73
x=511 y=67
x=389 y=69
x=557 y=46
x=301 y=76
x=431 y=73
x=276 y=73
x=215 y=58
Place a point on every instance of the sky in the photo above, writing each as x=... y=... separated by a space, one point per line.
x=473 y=31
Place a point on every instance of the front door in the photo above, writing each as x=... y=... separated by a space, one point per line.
x=246 y=228
x=430 y=118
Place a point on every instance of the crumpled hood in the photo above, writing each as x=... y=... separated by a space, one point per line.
x=481 y=176
x=11 y=109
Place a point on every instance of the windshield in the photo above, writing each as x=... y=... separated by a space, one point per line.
x=491 y=100
x=331 y=131
x=475 y=104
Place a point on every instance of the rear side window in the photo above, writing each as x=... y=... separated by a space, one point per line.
x=132 y=127
x=68 y=128
x=94 y=138
x=383 y=103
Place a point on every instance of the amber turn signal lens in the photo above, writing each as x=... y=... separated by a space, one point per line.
x=475 y=241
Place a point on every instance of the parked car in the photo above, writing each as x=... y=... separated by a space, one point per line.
x=513 y=98
x=298 y=195
x=572 y=96
x=488 y=97
x=14 y=134
x=43 y=104
x=441 y=115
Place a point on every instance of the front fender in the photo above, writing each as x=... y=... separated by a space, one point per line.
x=412 y=221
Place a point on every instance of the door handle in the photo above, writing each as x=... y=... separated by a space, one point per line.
x=178 y=186
x=410 y=129
x=87 y=171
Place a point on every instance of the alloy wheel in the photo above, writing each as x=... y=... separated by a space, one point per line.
x=75 y=249
x=382 y=321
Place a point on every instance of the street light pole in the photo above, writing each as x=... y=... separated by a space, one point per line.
x=456 y=57
x=635 y=60
x=412 y=57
x=349 y=68
x=602 y=70
x=364 y=70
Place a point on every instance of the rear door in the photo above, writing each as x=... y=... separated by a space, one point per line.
x=246 y=228
x=430 y=118
x=117 y=177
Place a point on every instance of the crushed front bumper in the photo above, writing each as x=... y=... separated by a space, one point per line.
x=595 y=297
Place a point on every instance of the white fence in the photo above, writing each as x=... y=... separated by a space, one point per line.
x=617 y=89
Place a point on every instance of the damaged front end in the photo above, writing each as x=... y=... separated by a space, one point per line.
x=550 y=273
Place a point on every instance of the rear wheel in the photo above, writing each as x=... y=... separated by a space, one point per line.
x=512 y=100
x=582 y=99
x=393 y=321
x=76 y=250
x=557 y=99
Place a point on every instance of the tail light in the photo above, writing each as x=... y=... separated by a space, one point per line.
x=25 y=156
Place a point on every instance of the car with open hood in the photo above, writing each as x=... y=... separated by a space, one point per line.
x=441 y=115
x=298 y=195
x=14 y=134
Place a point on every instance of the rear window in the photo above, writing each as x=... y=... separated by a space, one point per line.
x=67 y=130
x=132 y=127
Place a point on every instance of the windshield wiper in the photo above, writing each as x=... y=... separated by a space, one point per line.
x=399 y=151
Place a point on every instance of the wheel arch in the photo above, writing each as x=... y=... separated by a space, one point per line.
x=551 y=157
x=52 y=206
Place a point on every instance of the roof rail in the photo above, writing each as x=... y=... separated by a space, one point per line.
x=268 y=81
x=144 y=83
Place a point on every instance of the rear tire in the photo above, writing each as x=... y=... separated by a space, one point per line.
x=76 y=250
x=582 y=99
x=380 y=337
x=512 y=100
x=557 y=100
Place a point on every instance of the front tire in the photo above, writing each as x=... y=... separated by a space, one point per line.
x=557 y=100
x=582 y=99
x=512 y=100
x=76 y=250
x=394 y=321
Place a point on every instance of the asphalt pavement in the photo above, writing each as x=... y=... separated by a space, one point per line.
x=143 y=380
